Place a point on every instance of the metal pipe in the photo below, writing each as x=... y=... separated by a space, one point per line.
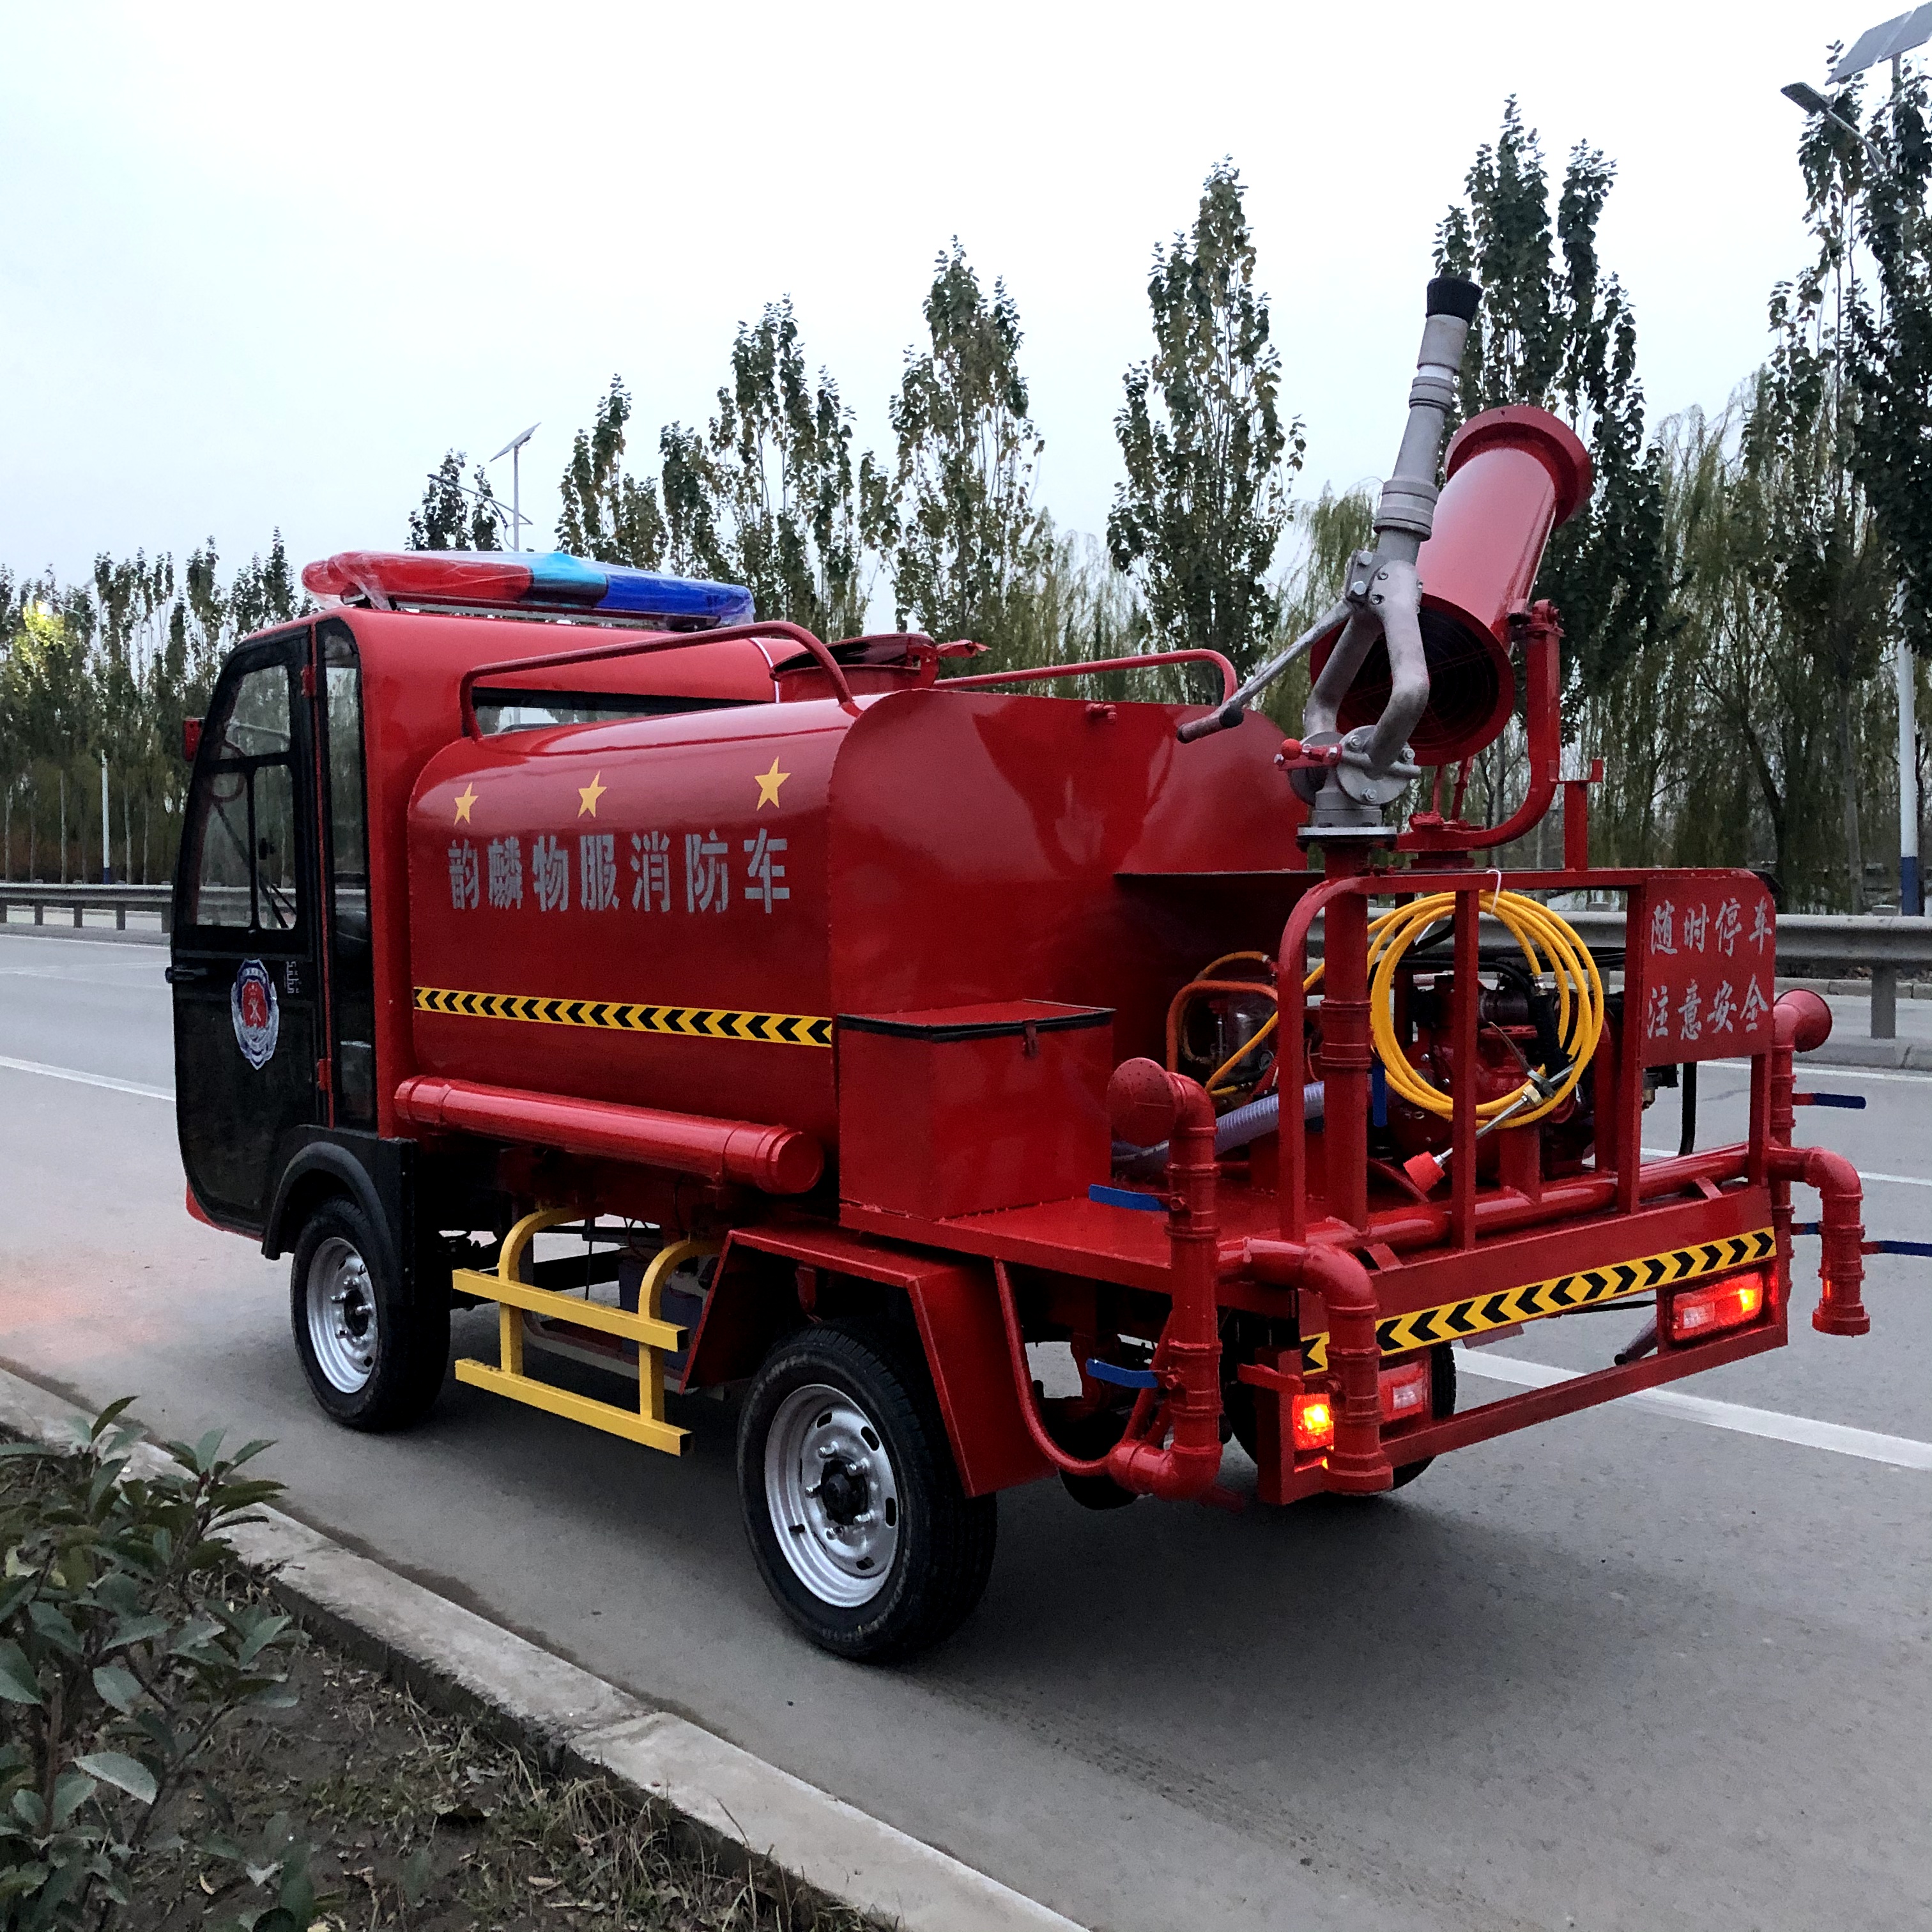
x=1036 y=1426
x=1841 y=1267
x=1143 y=1095
x=778 y=1160
x=1357 y=1464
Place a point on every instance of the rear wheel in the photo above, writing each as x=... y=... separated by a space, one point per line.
x=374 y=1355
x=851 y=1501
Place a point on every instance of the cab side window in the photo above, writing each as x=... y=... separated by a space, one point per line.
x=244 y=834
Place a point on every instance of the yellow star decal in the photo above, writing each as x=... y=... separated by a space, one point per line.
x=768 y=784
x=588 y=795
x=465 y=799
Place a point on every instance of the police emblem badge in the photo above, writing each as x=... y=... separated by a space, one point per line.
x=256 y=1012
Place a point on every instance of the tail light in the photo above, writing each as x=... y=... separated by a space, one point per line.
x=1706 y=1311
x=1405 y=1391
x=1314 y=1423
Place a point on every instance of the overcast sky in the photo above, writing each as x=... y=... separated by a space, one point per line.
x=262 y=265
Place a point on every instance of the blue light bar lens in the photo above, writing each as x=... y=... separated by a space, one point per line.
x=644 y=593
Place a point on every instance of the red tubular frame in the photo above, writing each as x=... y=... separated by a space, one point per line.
x=644 y=647
x=1229 y=683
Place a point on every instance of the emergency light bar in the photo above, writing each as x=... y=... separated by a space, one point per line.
x=527 y=581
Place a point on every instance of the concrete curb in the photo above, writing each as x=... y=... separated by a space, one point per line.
x=736 y=1803
x=1911 y=1055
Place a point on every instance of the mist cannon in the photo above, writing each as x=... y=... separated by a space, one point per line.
x=1411 y=664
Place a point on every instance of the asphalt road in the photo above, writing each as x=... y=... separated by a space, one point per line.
x=1623 y=1670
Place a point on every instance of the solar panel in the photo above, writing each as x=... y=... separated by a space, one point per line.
x=1886 y=41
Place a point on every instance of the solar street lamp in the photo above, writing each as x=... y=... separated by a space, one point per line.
x=1890 y=40
x=514 y=450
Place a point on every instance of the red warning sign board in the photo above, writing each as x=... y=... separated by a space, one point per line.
x=1702 y=967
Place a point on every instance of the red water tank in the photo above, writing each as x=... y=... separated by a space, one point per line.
x=673 y=912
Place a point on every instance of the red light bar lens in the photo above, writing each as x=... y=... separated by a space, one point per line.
x=1314 y=1423
x=1405 y=1391
x=1708 y=1311
x=531 y=580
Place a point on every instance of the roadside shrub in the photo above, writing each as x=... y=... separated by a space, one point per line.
x=124 y=1649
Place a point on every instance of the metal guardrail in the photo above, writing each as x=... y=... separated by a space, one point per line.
x=1807 y=938
x=119 y=900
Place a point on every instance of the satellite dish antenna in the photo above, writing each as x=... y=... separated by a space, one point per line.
x=514 y=450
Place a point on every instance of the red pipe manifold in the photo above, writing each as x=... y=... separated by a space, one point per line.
x=1357 y=1464
x=1800 y=1021
x=1150 y=1104
x=1172 y=1446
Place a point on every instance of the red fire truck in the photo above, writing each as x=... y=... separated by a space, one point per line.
x=839 y=1032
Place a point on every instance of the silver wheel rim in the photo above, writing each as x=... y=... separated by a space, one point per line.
x=832 y=1495
x=342 y=1329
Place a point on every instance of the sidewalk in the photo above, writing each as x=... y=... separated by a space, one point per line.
x=1851 y=1044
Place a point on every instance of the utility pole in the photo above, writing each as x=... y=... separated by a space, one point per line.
x=514 y=450
x=1891 y=39
x=107 y=826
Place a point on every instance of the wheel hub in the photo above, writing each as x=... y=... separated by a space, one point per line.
x=832 y=1494
x=343 y=1323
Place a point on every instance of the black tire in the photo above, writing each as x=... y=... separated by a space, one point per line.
x=1442 y=1403
x=843 y=1401
x=375 y=1355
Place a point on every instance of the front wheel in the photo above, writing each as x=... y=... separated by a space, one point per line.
x=852 y=1504
x=374 y=1355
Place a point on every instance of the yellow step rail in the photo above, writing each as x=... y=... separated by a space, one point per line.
x=655 y=1337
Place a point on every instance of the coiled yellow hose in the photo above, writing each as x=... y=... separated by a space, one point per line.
x=1544 y=937
x=1543 y=934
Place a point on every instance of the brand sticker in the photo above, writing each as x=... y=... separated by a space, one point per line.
x=256 y=1012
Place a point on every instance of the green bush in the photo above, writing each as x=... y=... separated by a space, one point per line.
x=124 y=1647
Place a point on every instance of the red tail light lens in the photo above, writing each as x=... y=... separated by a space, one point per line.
x=1314 y=1423
x=1706 y=1311
x=1405 y=1391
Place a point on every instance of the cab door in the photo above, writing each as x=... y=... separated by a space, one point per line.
x=247 y=1023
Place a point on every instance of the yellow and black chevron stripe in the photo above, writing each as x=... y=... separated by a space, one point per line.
x=684 y=1022
x=1455 y=1320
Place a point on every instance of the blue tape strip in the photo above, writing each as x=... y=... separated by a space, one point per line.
x=1871 y=1247
x=1377 y=1093
x=1126 y=1197
x=1836 y=1100
x=1112 y=1371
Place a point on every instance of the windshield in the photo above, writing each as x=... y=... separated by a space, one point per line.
x=499 y=709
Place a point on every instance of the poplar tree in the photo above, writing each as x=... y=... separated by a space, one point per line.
x=608 y=514
x=1554 y=331
x=767 y=496
x=1208 y=454
x=452 y=518
x=957 y=519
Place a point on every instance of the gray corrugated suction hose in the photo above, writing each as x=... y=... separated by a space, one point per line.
x=1234 y=1128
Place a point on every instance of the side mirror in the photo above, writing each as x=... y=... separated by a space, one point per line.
x=191 y=738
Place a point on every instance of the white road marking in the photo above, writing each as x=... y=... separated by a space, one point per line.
x=1901 y=1451
x=1807 y=1068
x=1897 y=1179
x=106 y=1080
